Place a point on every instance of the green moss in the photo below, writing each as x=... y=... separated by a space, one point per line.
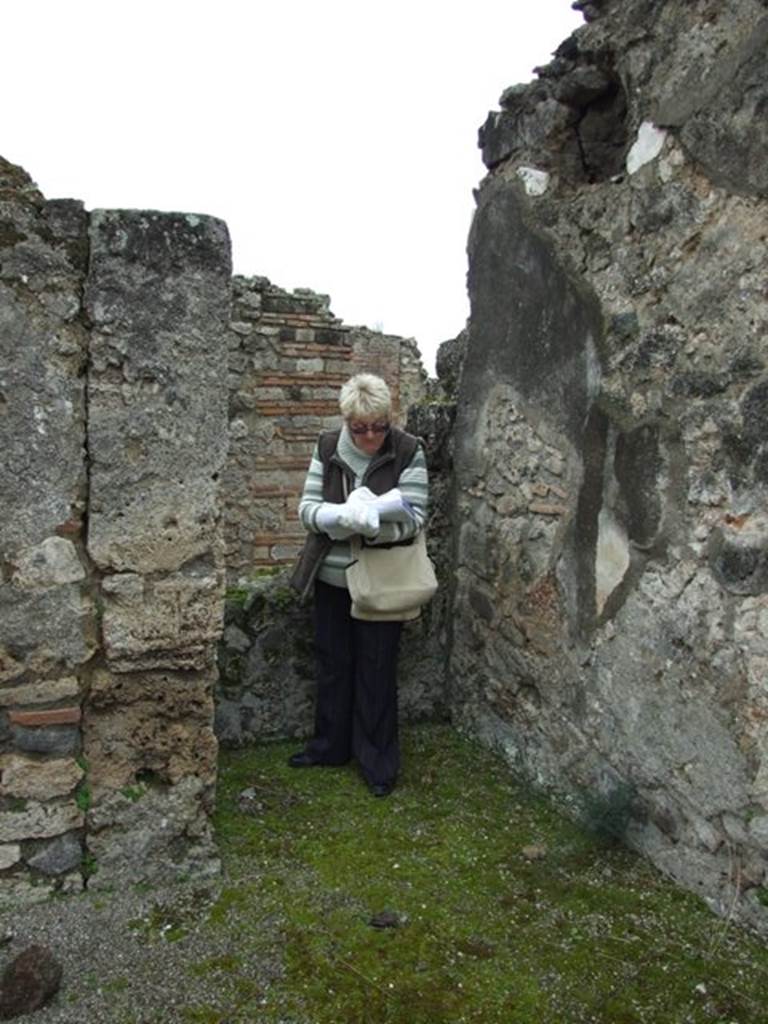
x=88 y=865
x=587 y=932
x=238 y=595
x=266 y=572
x=134 y=793
x=116 y=985
x=227 y=963
x=164 y=921
x=263 y=589
x=83 y=797
x=203 y=1015
x=283 y=598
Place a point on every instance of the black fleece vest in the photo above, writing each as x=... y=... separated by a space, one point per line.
x=382 y=475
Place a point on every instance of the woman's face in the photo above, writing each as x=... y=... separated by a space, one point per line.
x=368 y=434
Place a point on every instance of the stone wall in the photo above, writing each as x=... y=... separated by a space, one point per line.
x=288 y=358
x=600 y=499
x=611 y=602
x=48 y=621
x=113 y=340
x=128 y=375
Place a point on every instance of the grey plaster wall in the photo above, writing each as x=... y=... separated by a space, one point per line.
x=610 y=606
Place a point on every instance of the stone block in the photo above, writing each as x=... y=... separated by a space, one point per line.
x=241 y=328
x=46 y=629
x=39 y=821
x=156 y=834
x=10 y=854
x=172 y=622
x=285 y=552
x=42 y=397
x=46 y=691
x=56 y=740
x=713 y=101
x=158 y=296
x=62 y=854
x=31 y=779
x=158 y=723
x=47 y=564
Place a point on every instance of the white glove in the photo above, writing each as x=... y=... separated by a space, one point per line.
x=391 y=506
x=360 y=517
x=329 y=520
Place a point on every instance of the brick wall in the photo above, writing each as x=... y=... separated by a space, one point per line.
x=289 y=356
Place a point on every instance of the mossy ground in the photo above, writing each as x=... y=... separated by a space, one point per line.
x=575 y=932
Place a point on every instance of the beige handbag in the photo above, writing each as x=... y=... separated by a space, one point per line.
x=392 y=583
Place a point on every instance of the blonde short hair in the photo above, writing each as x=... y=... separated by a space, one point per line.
x=365 y=397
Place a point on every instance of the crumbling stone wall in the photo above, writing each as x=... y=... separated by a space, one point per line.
x=611 y=602
x=48 y=627
x=288 y=358
x=113 y=340
x=127 y=376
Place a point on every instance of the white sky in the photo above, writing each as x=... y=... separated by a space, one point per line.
x=337 y=138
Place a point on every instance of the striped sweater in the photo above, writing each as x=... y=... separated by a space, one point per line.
x=413 y=484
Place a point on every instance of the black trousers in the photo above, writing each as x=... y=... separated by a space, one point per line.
x=356 y=709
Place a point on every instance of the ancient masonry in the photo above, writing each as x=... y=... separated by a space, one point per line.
x=601 y=495
x=610 y=618
x=114 y=337
x=113 y=341
x=288 y=358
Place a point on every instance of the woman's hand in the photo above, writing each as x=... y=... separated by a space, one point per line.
x=328 y=519
x=341 y=521
x=360 y=519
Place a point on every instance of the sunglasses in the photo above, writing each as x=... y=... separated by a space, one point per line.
x=360 y=429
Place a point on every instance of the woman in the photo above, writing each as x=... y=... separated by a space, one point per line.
x=356 y=710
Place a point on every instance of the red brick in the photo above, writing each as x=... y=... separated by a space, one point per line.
x=297 y=408
x=305 y=380
x=299 y=350
x=53 y=716
x=275 y=492
x=262 y=539
x=542 y=509
x=69 y=528
x=278 y=463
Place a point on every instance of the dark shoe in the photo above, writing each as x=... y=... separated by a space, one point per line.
x=303 y=759
x=382 y=788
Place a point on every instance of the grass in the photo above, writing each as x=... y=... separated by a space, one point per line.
x=504 y=911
